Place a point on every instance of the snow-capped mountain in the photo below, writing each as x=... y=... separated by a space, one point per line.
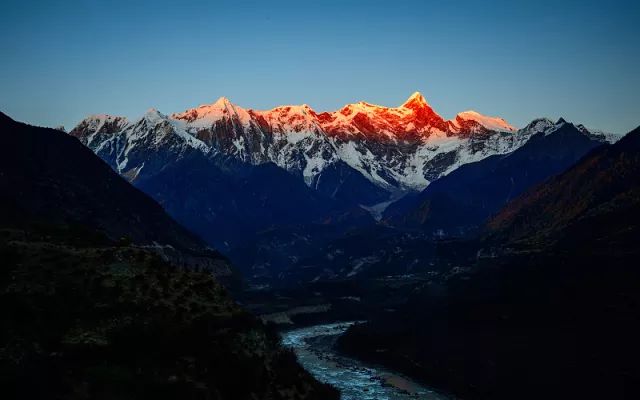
x=394 y=148
x=404 y=147
x=269 y=187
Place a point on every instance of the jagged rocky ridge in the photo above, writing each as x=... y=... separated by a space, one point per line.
x=393 y=148
x=269 y=187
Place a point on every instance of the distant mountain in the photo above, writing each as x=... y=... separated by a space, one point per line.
x=457 y=204
x=546 y=300
x=378 y=149
x=222 y=198
x=230 y=203
x=273 y=187
x=48 y=178
x=460 y=202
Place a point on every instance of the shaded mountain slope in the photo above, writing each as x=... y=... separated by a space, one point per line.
x=341 y=182
x=462 y=201
x=600 y=192
x=50 y=177
x=228 y=203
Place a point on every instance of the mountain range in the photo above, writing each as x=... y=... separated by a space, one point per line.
x=394 y=148
x=271 y=187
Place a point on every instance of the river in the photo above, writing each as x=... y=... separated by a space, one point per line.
x=355 y=379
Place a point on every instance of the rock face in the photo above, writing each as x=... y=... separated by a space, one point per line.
x=393 y=148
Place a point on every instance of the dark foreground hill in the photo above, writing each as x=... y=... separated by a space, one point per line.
x=49 y=178
x=546 y=306
x=90 y=309
x=113 y=322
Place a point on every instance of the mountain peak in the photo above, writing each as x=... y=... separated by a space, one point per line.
x=222 y=102
x=98 y=123
x=153 y=115
x=492 y=123
x=415 y=100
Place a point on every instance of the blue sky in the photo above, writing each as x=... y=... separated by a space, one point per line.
x=64 y=60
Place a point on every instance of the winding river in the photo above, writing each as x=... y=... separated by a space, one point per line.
x=354 y=379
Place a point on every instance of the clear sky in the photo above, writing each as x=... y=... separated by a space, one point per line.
x=61 y=60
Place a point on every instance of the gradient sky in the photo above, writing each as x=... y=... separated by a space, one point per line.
x=63 y=60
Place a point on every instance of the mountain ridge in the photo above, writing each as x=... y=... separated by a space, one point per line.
x=461 y=201
x=395 y=148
